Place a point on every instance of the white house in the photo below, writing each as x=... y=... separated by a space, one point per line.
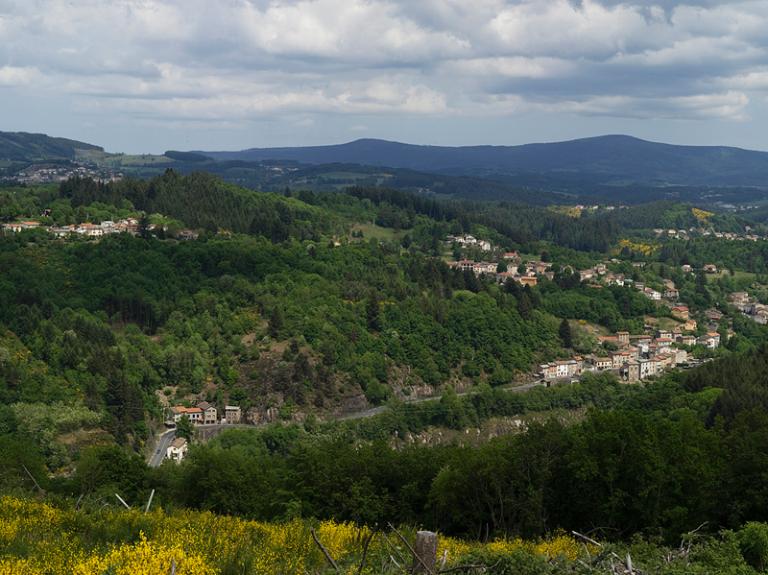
x=648 y=367
x=90 y=230
x=560 y=369
x=109 y=227
x=195 y=414
x=710 y=340
x=20 y=226
x=177 y=450
x=62 y=231
x=232 y=414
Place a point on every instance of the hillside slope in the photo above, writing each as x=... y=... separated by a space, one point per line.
x=613 y=158
x=23 y=146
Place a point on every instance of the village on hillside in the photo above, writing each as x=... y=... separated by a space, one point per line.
x=510 y=266
x=637 y=357
x=749 y=306
x=202 y=413
x=48 y=173
x=91 y=230
x=634 y=357
x=747 y=235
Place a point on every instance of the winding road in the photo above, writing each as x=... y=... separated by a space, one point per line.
x=382 y=408
x=203 y=432
x=161 y=447
x=163 y=440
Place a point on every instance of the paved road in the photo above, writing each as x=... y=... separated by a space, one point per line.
x=208 y=431
x=161 y=447
x=204 y=432
x=382 y=408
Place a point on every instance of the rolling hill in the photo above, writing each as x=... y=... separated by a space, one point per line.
x=614 y=159
x=26 y=147
x=602 y=168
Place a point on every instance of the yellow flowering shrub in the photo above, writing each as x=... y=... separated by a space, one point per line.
x=644 y=248
x=561 y=546
x=13 y=566
x=40 y=539
x=144 y=558
x=452 y=549
x=341 y=539
x=701 y=215
x=570 y=211
x=507 y=545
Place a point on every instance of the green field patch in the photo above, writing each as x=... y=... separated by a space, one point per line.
x=377 y=232
x=737 y=276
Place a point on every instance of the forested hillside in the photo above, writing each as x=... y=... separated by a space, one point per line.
x=278 y=304
x=203 y=201
x=604 y=158
x=302 y=307
x=23 y=146
x=266 y=309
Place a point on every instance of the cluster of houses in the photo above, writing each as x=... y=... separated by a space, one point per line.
x=594 y=207
x=90 y=230
x=670 y=291
x=594 y=273
x=87 y=229
x=748 y=235
x=47 y=173
x=527 y=276
x=530 y=271
x=637 y=357
x=706 y=268
x=468 y=241
x=749 y=306
x=204 y=413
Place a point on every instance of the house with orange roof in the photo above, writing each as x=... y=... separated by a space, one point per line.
x=195 y=414
x=680 y=312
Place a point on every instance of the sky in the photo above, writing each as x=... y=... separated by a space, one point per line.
x=151 y=75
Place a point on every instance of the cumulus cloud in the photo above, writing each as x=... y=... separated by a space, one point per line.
x=182 y=60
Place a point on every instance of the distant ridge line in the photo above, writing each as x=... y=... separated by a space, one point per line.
x=613 y=158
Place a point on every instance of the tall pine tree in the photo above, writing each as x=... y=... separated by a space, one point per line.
x=565 y=334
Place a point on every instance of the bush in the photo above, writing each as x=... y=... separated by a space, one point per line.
x=517 y=562
x=753 y=542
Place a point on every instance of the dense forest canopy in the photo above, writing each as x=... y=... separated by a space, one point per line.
x=309 y=305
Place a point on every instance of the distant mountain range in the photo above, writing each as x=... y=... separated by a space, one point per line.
x=25 y=147
x=613 y=160
x=603 y=168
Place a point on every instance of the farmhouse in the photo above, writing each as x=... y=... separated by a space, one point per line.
x=177 y=450
x=232 y=414
x=210 y=415
x=560 y=369
x=195 y=414
x=680 y=312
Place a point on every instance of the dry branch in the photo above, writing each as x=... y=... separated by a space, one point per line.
x=408 y=545
x=33 y=479
x=587 y=539
x=365 y=552
x=324 y=550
